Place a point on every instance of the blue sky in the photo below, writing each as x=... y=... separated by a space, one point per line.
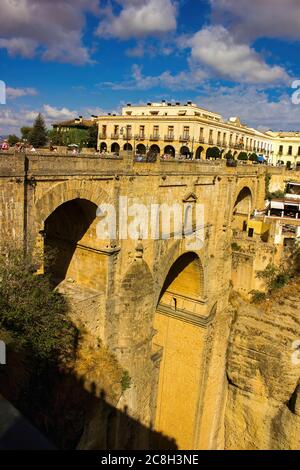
x=70 y=57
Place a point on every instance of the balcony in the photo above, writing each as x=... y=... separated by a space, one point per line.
x=140 y=137
x=219 y=143
x=211 y=141
x=115 y=136
x=201 y=140
x=154 y=137
x=184 y=138
x=169 y=138
x=127 y=136
x=102 y=135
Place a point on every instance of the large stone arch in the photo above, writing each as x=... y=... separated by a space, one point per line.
x=181 y=323
x=64 y=192
x=65 y=241
x=174 y=252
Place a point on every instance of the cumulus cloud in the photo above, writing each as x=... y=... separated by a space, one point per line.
x=12 y=119
x=13 y=93
x=51 y=28
x=182 y=80
x=255 y=107
x=139 y=18
x=215 y=48
x=259 y=18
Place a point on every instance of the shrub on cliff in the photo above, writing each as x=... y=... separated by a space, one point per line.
x=32 y=311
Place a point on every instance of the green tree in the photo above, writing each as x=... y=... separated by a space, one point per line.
x=243 y=156
x=56 y=137
x=25 y=132
x=13 y=139
x=77 y=136
x=38 y=137
x=213 y=152
x=253 y=157
x=93 y=136
x=229 y=156
x=273 y=277
x=32 y=312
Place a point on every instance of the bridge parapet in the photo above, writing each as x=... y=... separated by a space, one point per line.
x=54 y=164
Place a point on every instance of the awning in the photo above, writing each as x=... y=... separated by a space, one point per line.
x=277 y=205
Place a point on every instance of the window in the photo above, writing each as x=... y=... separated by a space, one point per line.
x=290 y=151
x=201 y=134
x=155 y=131
x=298 y=151
x=170 y=132
x=128 y=132
x=251 y=232
x=186 y=132
x=142 y=131
x=211 y=136
x=116 y=130
x=103 y=132
x=280 y=149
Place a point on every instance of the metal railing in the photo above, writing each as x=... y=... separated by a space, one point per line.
x=169 y=138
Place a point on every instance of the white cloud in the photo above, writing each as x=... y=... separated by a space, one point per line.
x=12 y=119
x=182 y=80
x=51 y=28
x=51 y=112
x=259 y=18
x=13 y=93
x=254 y=106
x=215 y=48
x=139 y=18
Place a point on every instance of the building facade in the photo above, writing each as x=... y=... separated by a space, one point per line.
x=185 y=129
x=179 y=129
x=286 y=147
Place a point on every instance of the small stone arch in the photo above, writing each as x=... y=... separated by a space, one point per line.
x=155 y=149
x=199 y=153
x=141 y=149
x=115 y=147
x=185 y=151
x=128 y=147
x=169 y=150
x=242 y=208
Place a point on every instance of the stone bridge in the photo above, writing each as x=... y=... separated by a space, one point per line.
x=161 y=307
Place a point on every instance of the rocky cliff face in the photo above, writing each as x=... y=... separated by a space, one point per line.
x=263 y=370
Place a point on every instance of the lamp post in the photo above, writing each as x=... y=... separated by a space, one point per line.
x=192 y=153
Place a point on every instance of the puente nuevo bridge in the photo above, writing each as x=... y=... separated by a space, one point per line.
x=161 y=308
